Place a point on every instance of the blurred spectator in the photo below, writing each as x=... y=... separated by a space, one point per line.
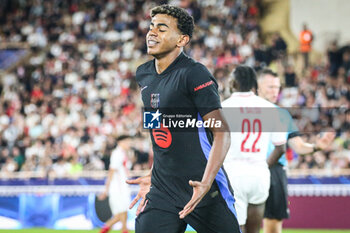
x=334 y=58
x=290 y=77
x=305 y=38
x=279 y=47
x=63 y=107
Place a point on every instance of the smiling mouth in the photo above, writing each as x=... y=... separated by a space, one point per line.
x=151 y=43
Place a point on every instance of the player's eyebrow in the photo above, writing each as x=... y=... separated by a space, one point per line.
x=160 y=24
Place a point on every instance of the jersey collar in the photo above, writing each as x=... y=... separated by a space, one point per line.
x=243 y=94
x=171 y=66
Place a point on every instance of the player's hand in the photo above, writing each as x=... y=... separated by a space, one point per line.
x=324 y=141
x=199 y=191
x=145 y=183
x=102 y=196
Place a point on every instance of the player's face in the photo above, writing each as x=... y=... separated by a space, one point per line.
x=269 y=87
x=128 y=143
x=163 y=35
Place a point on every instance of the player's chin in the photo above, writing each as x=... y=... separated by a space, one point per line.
x=152 y=51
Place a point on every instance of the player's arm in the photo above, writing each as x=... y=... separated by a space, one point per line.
x=203 y=88
x=296 y=142
x=108 y=183
x=221 y=144
x=145 y=183
x=301 y=147
x=278 y=136
x=276 y=154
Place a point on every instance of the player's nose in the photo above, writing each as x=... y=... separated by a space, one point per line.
x=152 y=32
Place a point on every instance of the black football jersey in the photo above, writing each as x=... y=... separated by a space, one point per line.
x=188 y=87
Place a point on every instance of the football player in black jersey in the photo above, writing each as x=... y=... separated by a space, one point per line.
x=188 y=184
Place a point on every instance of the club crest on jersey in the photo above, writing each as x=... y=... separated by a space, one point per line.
x=155 y=100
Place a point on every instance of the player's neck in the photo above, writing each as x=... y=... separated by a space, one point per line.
x=123 y=147
x=164 y=62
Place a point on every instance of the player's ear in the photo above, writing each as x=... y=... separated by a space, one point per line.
x=233 y=85
x=183 y=40
x=255 y=90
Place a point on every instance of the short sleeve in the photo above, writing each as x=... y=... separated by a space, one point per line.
x=137 y=76
x=287 y=120
x=292 y=128
x=280 y=133
x=116 y=162
x=278 y=138
x=142 y=72
x=203 y=89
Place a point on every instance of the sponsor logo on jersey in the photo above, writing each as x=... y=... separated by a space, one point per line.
x=203 y=85
x=162 y=137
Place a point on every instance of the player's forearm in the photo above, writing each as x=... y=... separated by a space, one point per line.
x=150 y=172
x=220 y=147
x=222 y=141
x=275 y=155
x=301 y=147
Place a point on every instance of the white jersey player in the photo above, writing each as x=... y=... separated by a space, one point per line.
x=119 y=192
x=116 y=187
x=254 y=123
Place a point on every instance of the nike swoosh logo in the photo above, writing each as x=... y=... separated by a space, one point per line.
x=143 y=88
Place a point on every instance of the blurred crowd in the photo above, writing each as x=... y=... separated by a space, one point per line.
x=62 y=109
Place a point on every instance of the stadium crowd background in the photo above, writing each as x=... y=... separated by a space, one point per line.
x=63 y=107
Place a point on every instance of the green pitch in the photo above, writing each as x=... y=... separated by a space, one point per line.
x=41 y=230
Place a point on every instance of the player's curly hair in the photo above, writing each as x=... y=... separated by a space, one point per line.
x=245 y=78
x=184 y=21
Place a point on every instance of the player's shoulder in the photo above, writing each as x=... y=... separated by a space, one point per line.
x=116 y=151
x=192 y=66
x=227 y=102
x=264 y=102
x=248 y=98
x=197 y=73
x=145 y=68
x=196 y=68
x=282 y=111
x=240 y=99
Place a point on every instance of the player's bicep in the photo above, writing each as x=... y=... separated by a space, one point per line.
x=218 y=118
x=279 y=138
x=295 y=143
x=280 y=129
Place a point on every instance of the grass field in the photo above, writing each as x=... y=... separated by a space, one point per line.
x=41 y=230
